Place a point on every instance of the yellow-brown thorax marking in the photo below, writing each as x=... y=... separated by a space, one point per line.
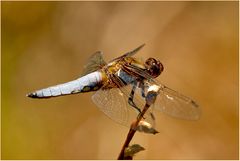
x=114 y=67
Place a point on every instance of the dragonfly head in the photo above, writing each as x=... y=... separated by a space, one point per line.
x=154 y=67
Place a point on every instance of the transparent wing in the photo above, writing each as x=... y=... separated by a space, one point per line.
x=138 y=99
x=128 y=54
x=169 y=101
x=138 y=71
x=177 y=105
x=94 y=63
x=114 y=103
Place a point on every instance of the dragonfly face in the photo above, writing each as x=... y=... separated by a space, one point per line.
x=121 y=85
x=154 y=67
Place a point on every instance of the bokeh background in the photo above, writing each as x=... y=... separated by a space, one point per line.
x=46 y=43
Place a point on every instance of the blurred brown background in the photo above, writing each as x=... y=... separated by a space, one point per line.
x=46 y=43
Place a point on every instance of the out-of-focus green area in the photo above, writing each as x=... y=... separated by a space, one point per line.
x=46 y=43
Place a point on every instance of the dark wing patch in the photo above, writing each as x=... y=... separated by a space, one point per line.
x=94 y=63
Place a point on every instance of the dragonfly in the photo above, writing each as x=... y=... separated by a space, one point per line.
x=121 y=86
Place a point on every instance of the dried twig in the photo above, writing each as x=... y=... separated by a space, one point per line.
x=150 y=99
x=132 y=132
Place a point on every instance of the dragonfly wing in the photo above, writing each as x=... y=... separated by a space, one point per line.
x=138 y=71
x=138 y=98
x=169 y=101
x=94 y=63
x=177 y=105
x=131 y=53
x=113 y=104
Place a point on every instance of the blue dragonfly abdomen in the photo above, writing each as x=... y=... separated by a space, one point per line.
x=89 y=82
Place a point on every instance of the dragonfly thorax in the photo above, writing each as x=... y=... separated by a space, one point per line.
x=154 y=67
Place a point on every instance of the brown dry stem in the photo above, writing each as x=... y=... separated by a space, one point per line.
x=132 y=132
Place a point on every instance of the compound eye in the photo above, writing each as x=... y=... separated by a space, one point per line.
x=154 y=67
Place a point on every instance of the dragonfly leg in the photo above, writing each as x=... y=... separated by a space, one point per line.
x=130 y=99
x=152 y=116
x=141 y=85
